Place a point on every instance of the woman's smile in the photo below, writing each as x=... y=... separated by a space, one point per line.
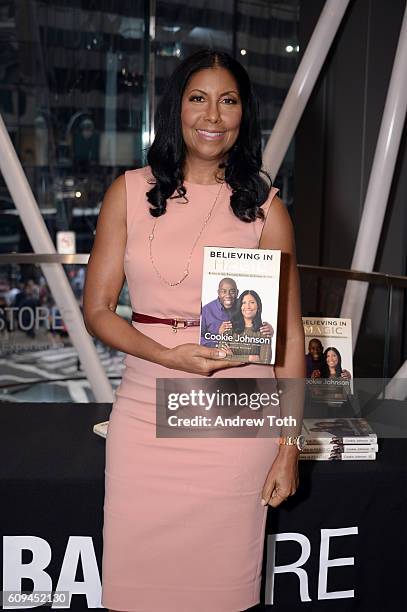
x=210 y=135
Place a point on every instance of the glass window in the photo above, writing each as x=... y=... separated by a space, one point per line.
x=72 y=100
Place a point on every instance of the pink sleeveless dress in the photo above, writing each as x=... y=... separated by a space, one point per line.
x=183 y=522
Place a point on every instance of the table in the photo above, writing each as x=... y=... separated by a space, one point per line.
x=52 y=490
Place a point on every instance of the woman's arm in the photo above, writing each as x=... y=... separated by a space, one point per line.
x=105 y=278
x=104 y=281
x=278 y=233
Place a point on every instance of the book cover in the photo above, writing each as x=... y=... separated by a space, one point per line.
x=240 y=302
x=340 y=430
x=329 y=358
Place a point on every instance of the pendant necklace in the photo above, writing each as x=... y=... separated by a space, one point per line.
x=186 y=270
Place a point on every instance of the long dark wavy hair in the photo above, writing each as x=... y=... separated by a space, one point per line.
x=167 y=153
x=338 y=368
x=237 y=317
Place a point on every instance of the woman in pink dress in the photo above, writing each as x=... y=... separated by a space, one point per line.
x=184 y=517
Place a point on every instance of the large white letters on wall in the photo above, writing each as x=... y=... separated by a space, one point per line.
x=297 y=568
x=78 y=548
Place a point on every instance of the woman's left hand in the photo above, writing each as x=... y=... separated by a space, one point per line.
x=282 y=479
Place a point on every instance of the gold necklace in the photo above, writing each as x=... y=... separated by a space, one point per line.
x=186 y=271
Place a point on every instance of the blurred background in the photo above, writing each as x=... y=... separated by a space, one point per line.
x=79 y=81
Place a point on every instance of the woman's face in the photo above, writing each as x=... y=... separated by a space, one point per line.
x=249 y=307
x=211 y=113
x=332 y=359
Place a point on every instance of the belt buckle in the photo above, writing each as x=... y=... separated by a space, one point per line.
x=178 y=324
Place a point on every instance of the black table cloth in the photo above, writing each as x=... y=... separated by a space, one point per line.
x=52 y=488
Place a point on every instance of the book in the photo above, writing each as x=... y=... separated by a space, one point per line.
x=343 y=448
x=329 y=358
x=240 y=302
x=340 y=430
x=100 y=429
x=337 y=457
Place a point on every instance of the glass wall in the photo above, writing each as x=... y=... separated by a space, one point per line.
x=38 y=361
x=72 y=99
x=80 y=81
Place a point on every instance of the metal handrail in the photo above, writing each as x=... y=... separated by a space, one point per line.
x=376 y=278
x=23 y=258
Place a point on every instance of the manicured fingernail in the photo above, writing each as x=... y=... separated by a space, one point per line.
x=263 y=502
x=221 y=354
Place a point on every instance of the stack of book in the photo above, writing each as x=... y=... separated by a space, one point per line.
x=339 y=439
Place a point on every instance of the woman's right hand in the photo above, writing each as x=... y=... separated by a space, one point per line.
x=196 y=359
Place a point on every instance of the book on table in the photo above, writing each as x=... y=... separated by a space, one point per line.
x=338 y=438
x=338 y=456
x=329 y=359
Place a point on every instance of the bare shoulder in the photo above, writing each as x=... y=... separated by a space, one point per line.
x=278 y=230
x=277 y=213
x=114 y=200
x=118 y=185
x=111 y=224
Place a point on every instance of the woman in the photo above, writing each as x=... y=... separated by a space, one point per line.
x=247 y=322
x=332 y=365
x=184 y=518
